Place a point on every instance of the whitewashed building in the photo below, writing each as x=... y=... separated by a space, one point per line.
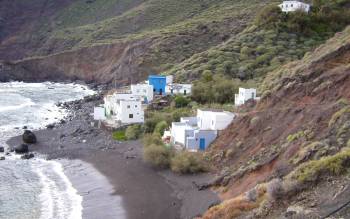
x=197 y=133
x=292 y=6
x=123 y=109
x=184 y=89
x=245 y=95
x=145 y=91
x=213 y=119
x=180 y=131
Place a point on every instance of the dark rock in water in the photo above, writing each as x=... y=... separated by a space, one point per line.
x=24 y=127
x=50 y=126
x=2 y=149
x=62 y=121
x=2 y=158
x=27 y=156
x=21 y=149
x=16 y=127
x=29 y=137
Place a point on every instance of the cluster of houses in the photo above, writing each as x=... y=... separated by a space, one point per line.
x=126 y=106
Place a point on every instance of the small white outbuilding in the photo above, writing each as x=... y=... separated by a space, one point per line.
x=245 y=95
x=292 y=6
x=184 y=89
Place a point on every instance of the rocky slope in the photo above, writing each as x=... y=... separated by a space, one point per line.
x=277 y=159
x=50 y=40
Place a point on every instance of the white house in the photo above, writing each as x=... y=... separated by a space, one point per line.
x=123 y=109
x=197 y=133
x=291 y=6
x=184 y=89
x=213 y=119
x=200 y=139
x=245 y=95
x=180 y=131
x=191 y=137
x=145 y=91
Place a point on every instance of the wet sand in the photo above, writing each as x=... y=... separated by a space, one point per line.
x=112 y=177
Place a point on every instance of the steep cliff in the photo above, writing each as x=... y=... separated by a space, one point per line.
x=298 y=135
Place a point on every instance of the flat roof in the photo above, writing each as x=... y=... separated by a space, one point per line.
x=212 y=110
x=156 y=76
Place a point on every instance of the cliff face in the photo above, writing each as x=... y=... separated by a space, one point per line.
x=100 y=64
x=302 y=118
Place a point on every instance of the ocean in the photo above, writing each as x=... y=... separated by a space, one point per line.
x=35 y=188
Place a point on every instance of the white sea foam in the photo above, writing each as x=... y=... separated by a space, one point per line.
x=58 y=197
x=26 y=102
x=33 y=105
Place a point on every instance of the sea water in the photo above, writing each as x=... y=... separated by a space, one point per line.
x=35 y=188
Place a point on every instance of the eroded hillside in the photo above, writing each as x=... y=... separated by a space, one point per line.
x=290 y=154
x=155 y=35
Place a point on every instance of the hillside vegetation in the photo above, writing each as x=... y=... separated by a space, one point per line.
x=289 y=155
x=273 y=39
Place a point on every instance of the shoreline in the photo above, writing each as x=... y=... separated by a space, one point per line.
x=143 y=191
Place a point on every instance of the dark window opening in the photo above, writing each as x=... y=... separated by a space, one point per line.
x=131 y=116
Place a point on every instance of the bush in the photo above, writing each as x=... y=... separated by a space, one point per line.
x=331 y=165
x=150 y=139
x=157 y=155
x=160 y=127
x=187 y=162
x=133 y=132
x=119 y=135
x=181 y=101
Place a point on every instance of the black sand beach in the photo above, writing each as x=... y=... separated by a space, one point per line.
x=112 y=177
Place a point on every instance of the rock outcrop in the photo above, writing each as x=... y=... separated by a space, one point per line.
x=22 y=149
x=29 y=137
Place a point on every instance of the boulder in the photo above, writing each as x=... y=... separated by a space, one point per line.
x=50 y=126
x=2 y=149
x=27 y=156
x=21 y=149
x=2 y=158
x=29 y=137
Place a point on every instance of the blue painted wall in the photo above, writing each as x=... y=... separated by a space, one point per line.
x=158 y=82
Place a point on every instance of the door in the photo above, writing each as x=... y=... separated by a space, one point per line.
x=202 y=144
x=161 y=91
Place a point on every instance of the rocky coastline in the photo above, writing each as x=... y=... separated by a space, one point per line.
x=145 y=192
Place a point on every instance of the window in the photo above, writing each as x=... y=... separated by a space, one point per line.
x=291 y=5
x=131 y=116
x=128 y=106
x=135 y=106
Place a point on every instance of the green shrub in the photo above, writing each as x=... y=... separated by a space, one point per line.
x=157 y=155
x=160 y=127
x=150 y=139
x=119 y=135
x=337 y=115
x=181 y=101
x=295 y=136
x=187 y=162
x=331 y=165
x=133 y=132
